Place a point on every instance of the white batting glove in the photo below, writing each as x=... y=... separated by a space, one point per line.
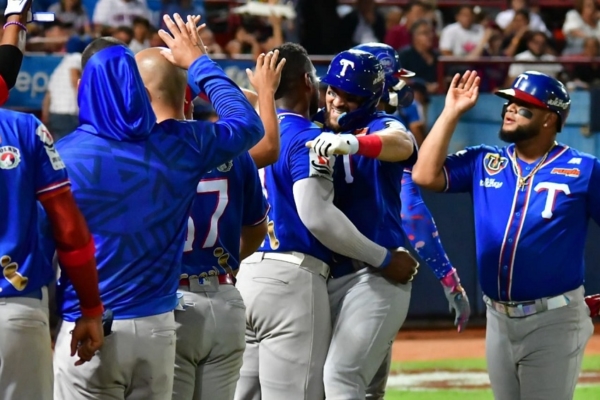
x=457 y=298
x=15 y=7
x=328 y=144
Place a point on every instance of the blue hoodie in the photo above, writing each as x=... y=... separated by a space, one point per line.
x=134 y=180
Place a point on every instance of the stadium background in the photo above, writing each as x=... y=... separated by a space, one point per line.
x=317 y=25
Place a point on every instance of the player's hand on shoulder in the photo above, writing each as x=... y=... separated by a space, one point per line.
x=593 y=303
x=328 y=144
x=86 y=338
x=402 y=268
x=185 y=45
x=463 y=92
x=267 y=74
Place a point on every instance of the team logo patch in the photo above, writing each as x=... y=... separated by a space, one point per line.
x=570 y=172
x=225 y=167
x=10 y=157
x=494 y=163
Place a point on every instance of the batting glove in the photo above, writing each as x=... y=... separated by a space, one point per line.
x=329 y=144
x=593 y=303
x=457 y=297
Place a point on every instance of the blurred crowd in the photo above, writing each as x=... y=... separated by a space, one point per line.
x=420 y=31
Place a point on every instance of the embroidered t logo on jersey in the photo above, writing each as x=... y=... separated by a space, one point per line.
x=494 y=163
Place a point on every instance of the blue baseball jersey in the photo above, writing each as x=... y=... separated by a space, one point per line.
x=134 y=179
x=409 y=115
x=296 y=162
x=30 y=166
x=367 y=191
x=530 y=242
x=227 y=198
x=420 y=228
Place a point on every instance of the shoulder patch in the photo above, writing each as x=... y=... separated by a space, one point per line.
x=46 y=138
x=10 y=157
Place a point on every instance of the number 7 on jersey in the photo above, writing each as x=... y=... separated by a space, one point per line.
x=219 y=187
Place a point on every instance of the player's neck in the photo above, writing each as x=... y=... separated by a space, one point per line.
x=164 y=113
x=533 y=149
x=296 y=106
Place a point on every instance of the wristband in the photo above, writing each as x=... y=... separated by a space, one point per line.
x=386 y=260
x=452 y=281
x=20 y=25
x=78 y=257
x=92 y=312
x=369 y=146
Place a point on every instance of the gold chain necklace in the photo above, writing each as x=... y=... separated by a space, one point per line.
x=522 y=181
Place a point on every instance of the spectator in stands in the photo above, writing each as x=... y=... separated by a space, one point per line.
x=514 y=33
x=393 y=17
x=585 y=75
x=123 y=33
x=364 y=24
x=506 y=17
x=492 y=76
x=255 y=36
x=208 y=38
x=461 y=37
x=141 y=35
x=59 y=108
x=56 y=36
x=155 y=40
x=399 y=36
x=580 y=23
x=116 y=13
x=435 y=15
x=421 y=57
x=73 y=15
x=537 y=49
x=183 y=8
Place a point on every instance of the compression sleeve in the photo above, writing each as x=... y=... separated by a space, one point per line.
x=421 y=230
x=314 y=202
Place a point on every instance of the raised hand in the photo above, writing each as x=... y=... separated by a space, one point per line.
x=267 y=73
x=185 y=46
x=463 y=92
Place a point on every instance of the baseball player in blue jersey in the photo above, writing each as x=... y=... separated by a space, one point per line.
x=417 y=221
x=284 y=284
x=134 y=180
x=532 y=202
x=229 y=205
x=367 y=309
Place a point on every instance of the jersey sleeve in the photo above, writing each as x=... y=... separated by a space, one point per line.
x=411 y=114
x=304 y=163
x=239 y=127
x=256 y=206
x=593 y=192
x=420 y=228
x=51 y=174
x=459 y=169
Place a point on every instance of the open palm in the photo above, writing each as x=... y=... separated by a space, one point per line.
x=463 y=92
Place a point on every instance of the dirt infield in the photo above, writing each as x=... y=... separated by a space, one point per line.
x=448 y=344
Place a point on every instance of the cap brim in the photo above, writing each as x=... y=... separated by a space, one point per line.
x=520 y=95
x=404 y=73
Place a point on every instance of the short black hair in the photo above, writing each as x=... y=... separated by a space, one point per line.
x=98 y=45
x=460 y=8
x=418 y=3
x=419 y=23
x=524 y=12
x=297 y=63
x=140 y=21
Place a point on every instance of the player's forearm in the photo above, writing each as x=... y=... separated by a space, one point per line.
x=423 y=235
x=75 y=249
x=314 y=202
x=428 y=170
x=391 y=145
x=240 y=127
x=251 y=239
x=266 y=152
